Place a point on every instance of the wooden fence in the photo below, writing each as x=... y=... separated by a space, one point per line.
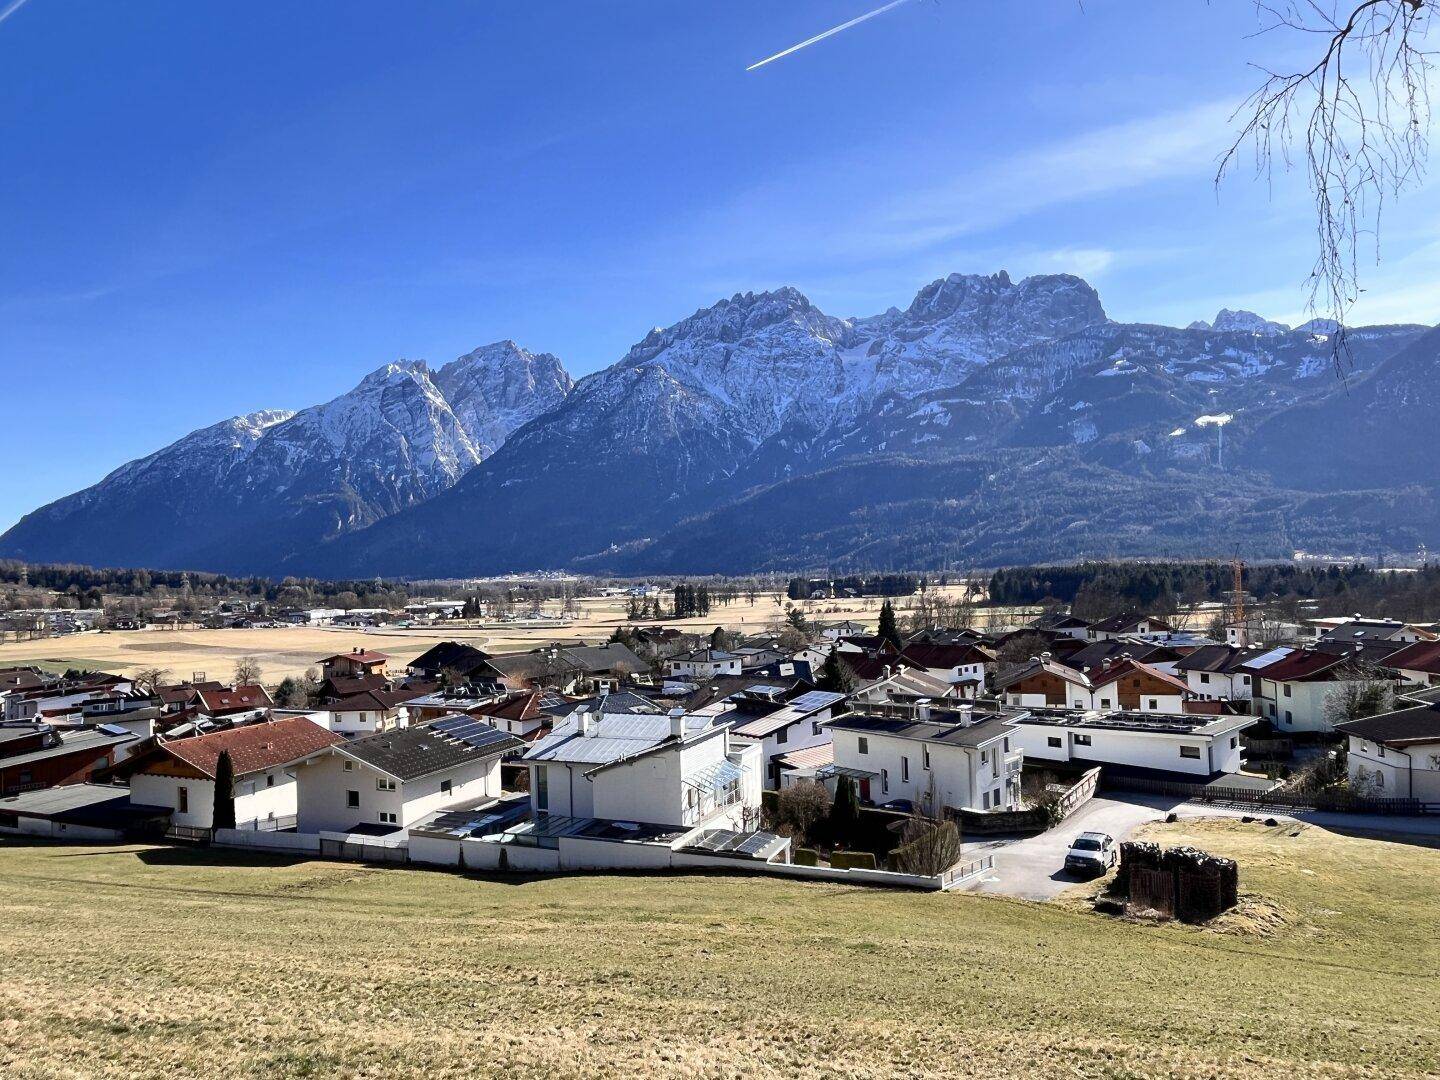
x=1246 y=798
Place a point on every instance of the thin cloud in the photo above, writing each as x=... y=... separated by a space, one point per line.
x=824 y=34
x=11 y=8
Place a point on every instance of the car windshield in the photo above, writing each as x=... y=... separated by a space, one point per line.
x=1085 y=843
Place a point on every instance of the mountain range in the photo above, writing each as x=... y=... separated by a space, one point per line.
x=989 y=422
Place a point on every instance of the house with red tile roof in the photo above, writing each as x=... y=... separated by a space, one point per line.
x=1417 y=663
x=180 y=773
x=1294 y=688
x=229 y=700
x=1137 y=686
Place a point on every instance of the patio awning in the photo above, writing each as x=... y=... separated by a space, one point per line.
x=714 y=777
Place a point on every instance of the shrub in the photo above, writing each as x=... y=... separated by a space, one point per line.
x=930 y=847
x=800 y=811
x=854 y=860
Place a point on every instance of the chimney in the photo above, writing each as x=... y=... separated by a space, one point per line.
x=585 y=724
x=887 y=670
x=1045 y=656
x=677 y=723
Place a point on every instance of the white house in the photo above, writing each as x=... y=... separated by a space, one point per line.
x=180 y=773
x=795 y=725
x=953 y=664
x=704 y=664
x=1417 y=663
x=368 y=712
x=396 y=778
x=1218 y=672
x=962 y=759
x=678 y=769
x=1126 y=625
x=1358 y=630
x=1198 y=746
x=1396 y=755
x=1294 y=687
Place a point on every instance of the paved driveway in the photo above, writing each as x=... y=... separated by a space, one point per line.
x=1033 y=868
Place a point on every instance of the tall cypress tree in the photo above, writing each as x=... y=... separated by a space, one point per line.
x=889 y=630
x=224 y=815
x=836 y=676
x=844 y=813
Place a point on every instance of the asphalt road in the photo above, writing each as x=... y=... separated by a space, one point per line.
x=1033 y=868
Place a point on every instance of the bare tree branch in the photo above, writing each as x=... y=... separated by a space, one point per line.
x=1359 y=117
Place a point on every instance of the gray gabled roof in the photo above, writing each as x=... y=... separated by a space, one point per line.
x=616 y=736
x=413 y=752
x=1418 y=725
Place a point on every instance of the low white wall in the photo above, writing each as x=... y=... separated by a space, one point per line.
x=308 y=843
x=578 y=853
x=59 y=830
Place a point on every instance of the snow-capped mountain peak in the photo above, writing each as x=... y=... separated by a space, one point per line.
x=1242 y=322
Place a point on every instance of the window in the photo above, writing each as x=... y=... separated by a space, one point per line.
x=1154 y=704
x=925 y=757
x=1287 y=689
x=1378 y=779
x=885 y=780
x=352 y=799
x=384 y=783
x=269 y=779
x=904 y=768
x=1054 y=740
x=387 y=818
x=444 y=787
x=349 y=766
x=986 y=800
x=815 y=728
x=1190 y=751
x=1288 y=718
x=782 y=736
x=1234 y=742
x=542 y=788
x=1081 y=740
x=864 y=745
x=1205 y=677
x=182 y=799
x=1245 y=680
x=1104 y=702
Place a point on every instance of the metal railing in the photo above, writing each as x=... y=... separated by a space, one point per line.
x=962 y=871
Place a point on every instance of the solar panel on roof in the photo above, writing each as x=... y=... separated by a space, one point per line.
x=756 y=843
x=113 y=729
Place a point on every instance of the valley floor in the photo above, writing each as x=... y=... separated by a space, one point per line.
x=141 y=961
x=291 y=650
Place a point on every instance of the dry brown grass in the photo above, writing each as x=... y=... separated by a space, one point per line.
x=291 y=650
x=150 y=962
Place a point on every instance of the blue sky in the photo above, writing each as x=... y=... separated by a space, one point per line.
x=210 y=209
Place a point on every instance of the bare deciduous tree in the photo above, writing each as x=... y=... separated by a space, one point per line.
x=247 y=671
x=147 y=679
x=1358 y=117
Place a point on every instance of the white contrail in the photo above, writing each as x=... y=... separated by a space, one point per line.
x=828 y=33
x=10 y=8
